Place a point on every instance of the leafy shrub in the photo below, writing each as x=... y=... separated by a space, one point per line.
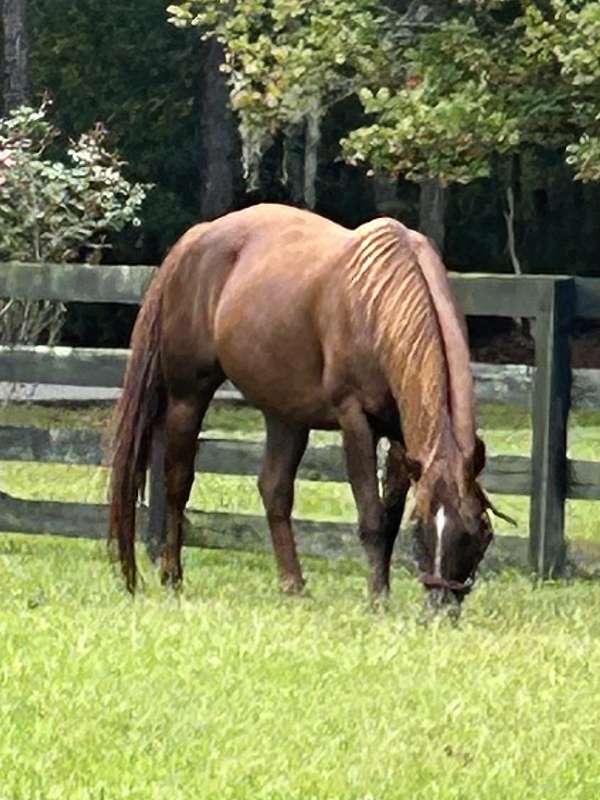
x=55 y=210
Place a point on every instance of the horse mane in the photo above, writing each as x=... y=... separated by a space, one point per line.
x=400 y=285
x=454 y=334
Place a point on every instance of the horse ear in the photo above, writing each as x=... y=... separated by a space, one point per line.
x=478 y=462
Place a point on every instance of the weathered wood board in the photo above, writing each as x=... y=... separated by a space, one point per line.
x=249 y=533
x=65 y=366
x=503 y=474
x=84 y=283
x=482 y=294
x=551 y=403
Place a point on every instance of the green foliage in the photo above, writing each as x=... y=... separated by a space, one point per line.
x=484 y=86
x=122 y=64
x=51 y=209
x=584 y=156
x=570 y=40
x=289 y=60
x=493 y=78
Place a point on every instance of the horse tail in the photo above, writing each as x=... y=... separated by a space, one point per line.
x=139 y=407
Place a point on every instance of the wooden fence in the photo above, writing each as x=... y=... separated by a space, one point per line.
x=548 y=476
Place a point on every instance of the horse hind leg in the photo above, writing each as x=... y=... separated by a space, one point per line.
x=285 y=447
x=183 y=421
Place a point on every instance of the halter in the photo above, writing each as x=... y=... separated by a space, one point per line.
x=435 y=582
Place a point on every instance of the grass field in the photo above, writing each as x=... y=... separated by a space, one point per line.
x=232 y=691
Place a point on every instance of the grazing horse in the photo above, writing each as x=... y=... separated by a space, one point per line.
x=320 y=327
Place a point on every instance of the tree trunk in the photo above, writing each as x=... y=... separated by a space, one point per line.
x=513 y=194
x=293 y=163
x=301 y=160
x=432 y=211
x=514 y=187
x=16 y=54
x=385 y=192
x=509 y=216
x=311 y=157
x=218 y=145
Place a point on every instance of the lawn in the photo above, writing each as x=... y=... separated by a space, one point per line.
x=232 y=691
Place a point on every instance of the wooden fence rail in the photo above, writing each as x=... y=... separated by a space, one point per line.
x=549 y=477
x=510 y=475
x=103 y=367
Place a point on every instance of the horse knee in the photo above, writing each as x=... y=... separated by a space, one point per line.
x=277 y=497
x=371 y=525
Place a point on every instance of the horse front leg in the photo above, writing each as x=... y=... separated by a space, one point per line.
x=360 y=445
x=396 y=483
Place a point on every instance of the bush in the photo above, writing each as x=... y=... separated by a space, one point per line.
x=55 y=210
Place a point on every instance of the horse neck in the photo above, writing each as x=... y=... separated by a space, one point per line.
x=397 y=312
x=453 y=333
x=420 y=389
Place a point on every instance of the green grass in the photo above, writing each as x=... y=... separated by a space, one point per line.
x=232 y=691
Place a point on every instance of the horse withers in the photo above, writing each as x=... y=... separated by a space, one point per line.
x=320 y=327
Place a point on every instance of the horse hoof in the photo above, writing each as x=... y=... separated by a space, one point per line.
x=380 y=603
x=293 y=586
x=171 y=580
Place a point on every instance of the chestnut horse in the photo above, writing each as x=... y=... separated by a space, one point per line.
x=320 y=327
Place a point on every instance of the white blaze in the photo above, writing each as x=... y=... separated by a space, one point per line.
x=440 y=524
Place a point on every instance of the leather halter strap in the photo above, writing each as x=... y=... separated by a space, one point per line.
x=435 y=582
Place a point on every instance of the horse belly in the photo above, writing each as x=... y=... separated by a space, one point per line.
x=275 y=361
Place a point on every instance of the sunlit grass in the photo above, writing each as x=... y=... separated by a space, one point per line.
x=232 y=691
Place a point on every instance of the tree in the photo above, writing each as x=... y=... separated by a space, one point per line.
x=288 y=62
x=16 y=53
x=569 y=41
x=122 y=64
x=449 y=98
x=493 y=80
x=433 y=195
x=217 y=136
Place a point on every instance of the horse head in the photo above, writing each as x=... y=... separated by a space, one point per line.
x=451 y=527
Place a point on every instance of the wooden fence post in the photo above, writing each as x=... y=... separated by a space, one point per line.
x=155 y=533
x=550 y=411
